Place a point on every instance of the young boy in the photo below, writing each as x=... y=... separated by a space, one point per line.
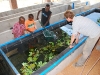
x=46 y=15
x=30 y=24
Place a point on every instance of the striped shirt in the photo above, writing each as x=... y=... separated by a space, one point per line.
x=85 y=26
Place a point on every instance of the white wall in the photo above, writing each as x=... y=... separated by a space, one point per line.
x=4 y=5
x=91 y=1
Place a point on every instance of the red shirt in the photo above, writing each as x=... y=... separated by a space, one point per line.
x=18 y=30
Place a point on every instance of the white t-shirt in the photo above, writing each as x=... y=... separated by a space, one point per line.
x=85 y=26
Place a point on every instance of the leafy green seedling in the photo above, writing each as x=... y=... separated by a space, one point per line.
x=68 y=42
x=30 y=53
x=45 y=48
x=24 y=64
x=51 y=43
x=35 y=59
x=29 y=59
x=32 y=50
x=31 y=66
x=50 y=57
x=40 y=64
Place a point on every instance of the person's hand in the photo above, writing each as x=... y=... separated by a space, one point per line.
x=44 y=25
x=29 y=31
x=14 y=35
x=11 y=28
x=71 y=46
x=35 y=27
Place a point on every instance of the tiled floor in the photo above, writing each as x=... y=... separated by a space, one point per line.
x=71 y=70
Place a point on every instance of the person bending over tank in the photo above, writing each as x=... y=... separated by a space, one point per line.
x=87 y=27
x=30 y=24
x=46 y=14
x=19 y=27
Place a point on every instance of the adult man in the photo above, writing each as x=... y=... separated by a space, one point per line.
x=19 y=27
x=46 y=14
x=85 y=26
x=30 y=24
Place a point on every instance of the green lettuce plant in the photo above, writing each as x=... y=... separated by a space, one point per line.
x=49 y=51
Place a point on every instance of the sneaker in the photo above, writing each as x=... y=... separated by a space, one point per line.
x=78 y=65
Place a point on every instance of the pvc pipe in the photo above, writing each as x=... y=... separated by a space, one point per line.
x=86 y=3
x=73 y=6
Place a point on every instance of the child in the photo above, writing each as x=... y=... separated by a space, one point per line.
x=19 y=27
x=46 y=15
x=30 y=24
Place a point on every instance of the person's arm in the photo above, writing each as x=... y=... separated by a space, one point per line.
x=24 y=29
x=74 y=35
x=28 y=30
x=72 y=40
x=38 y=14
x=35 y=25
x=13 y=30
x=48 y=20
x=77 y=38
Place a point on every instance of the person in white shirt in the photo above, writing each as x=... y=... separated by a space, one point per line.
x=87 y=27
